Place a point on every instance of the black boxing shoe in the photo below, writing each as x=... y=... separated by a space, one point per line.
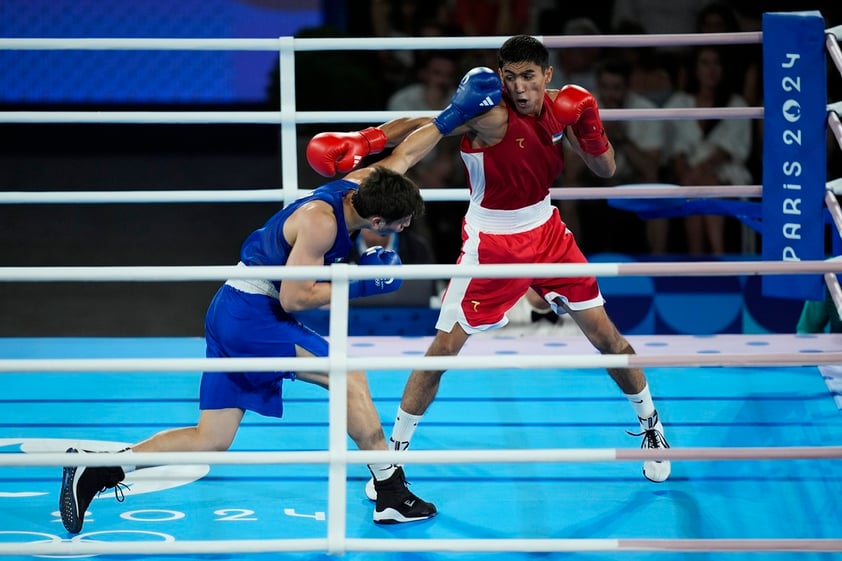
x=397 y=504
x=79 y=486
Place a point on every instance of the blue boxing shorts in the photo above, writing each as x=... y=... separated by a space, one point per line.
x=239 y=324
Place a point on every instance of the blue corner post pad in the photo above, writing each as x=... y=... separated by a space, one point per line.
x=794 y=159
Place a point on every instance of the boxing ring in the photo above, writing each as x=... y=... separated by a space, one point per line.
x=544 y=467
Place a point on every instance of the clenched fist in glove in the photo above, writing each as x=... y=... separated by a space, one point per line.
x=329 y=152
x=376 y=255
x=575 y=106
x=479 y=91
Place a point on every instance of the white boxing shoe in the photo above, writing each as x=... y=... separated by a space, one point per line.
x=652 y=432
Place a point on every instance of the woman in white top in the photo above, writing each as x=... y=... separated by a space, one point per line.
x=709 y=152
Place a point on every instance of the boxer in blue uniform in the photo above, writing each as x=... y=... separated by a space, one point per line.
x=255 y=318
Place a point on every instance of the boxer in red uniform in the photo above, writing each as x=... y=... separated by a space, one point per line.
x=512 y=154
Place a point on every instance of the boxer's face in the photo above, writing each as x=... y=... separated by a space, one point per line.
x=526 y=84
x=379 y=225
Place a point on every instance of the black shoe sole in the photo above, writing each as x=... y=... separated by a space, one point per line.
x=67 y=503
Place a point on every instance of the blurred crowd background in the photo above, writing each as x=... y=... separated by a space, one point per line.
x=126 y=157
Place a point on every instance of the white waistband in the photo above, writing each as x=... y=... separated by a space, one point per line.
x=252 y=286
x=494 y=221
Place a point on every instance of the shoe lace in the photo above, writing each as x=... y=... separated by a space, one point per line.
x=118 y=486
x=119 y=495
x=652 y=438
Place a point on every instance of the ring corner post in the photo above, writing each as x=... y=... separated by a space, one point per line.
x=794 y=171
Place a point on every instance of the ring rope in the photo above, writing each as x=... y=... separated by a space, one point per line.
x=834 y=123
x=634 y=191
x=78 y=547
x=835 y=290
x=514 y=362
x=426 y=271
x=487 y=456
x=835 y=186
x=832 y=38
x=374 y=43
x=313 y=117
x=834 y=210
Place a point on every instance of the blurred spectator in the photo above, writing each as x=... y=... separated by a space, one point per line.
x=657 y=16
x=747 y=66
x=402 y=18
x=441 y=168
x=574 y=65
x=435 y=73
x=708 y=152
x=746 y=60
x=652 y=73
x=571 y=65
x=482 y=18
x=553 y=14
x=638 y=147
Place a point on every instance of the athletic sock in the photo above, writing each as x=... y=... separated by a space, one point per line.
x=381 y=472
x=642 y=403
x=403 y=429
x=130 y=468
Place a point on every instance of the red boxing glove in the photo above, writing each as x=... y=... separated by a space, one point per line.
x=576 y=106
x=329 y=152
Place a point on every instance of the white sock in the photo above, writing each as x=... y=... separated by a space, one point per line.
x=642 y=403
x=127 y=469
x=404 y=428
x=381 y=472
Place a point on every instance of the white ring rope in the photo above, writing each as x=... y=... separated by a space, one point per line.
x=511 y=362
x=834 y=35
x=641 y=191
x=833 y=122
x=215 y=547
x=835 y=186
x=355 y=272
x=311 y=117
x=375 y=43
x=487 y=456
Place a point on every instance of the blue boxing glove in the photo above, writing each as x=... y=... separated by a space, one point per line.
x=479 y=91
x=370 y=287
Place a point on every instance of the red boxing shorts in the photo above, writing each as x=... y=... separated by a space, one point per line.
x=481 y=304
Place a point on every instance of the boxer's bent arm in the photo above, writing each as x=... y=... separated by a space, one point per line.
x=398 y=129
x=413 y=148
x=406 y=154
x=603 y=165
